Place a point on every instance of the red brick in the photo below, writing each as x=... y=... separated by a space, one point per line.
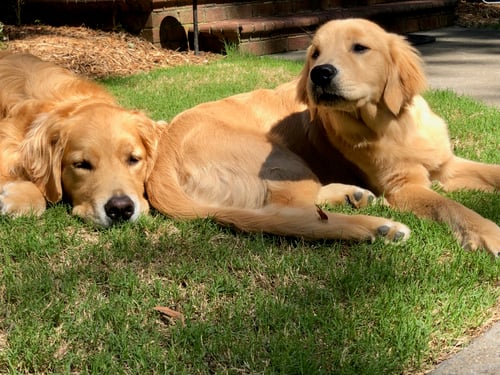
x=260 y=36
x=247 y=28
x=152 y=35
x=239 y=11
x=214 y=13
x=280 y=23
x=252 y=48
x=185 y=15
x=299 y=42
x=262 y=9
x=265 y=46
x=223 y=26
x=155 y=18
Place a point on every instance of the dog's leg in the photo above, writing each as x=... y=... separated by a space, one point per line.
x=472 y=230
x=21 y=198
x=290 y=211
x=312 y=223
x=339 y=194
x=466 y=174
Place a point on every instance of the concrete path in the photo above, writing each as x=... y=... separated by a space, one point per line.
x=481 y=357
x=466 y=61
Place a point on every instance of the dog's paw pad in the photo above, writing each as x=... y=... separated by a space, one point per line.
x=394 y=232
x=360 y=198
x=398 y=236
x=383 y=230
x=358 y=195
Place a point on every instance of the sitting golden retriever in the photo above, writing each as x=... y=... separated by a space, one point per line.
x=64 y=137
x=263 y=160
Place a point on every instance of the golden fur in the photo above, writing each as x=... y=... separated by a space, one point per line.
x=63 y=136
x=371 y=112
x=263 y=160
x=255 y=162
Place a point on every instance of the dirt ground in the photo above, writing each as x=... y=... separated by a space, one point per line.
x=98 y=54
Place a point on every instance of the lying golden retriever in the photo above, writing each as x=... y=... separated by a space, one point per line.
x=65 y=137
x=263 y=160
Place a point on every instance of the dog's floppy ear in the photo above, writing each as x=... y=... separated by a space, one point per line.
x=303 y=79
x=406 y=77
x=150 y=132
x=41 y=154
x=302 y=85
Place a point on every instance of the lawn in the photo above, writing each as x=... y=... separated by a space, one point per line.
x=76 y=299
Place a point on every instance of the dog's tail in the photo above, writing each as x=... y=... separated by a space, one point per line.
x=308 y=222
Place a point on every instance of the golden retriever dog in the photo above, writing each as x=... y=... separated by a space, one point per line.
x=263 y=161
x=63 y=137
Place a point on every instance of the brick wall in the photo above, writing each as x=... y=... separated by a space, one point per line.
x=210 y=11
x=166 y=22
x=111 y=13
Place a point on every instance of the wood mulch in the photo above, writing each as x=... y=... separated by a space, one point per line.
x=95 y=53
x=477 y=14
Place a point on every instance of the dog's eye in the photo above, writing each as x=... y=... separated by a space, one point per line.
x=359 y=48
x=133 y=160
x=83 y=164
x=315 y=54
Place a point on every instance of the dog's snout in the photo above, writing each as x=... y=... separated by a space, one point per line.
x=322 y=75
x=119 y=208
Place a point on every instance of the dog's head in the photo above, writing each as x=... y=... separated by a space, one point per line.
x=95 y=155
x=353 y=62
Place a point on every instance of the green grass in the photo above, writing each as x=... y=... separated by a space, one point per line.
x=165 y=93
x=75 y=299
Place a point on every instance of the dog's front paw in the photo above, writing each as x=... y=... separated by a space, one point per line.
x=358 y=197
x=21 y=198
x=340 y=194
x=393 y=232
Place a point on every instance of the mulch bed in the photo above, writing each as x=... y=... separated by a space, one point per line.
x=95 y=53
x=477 y=14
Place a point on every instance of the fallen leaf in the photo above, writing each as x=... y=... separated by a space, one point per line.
x=321 y=213
x=168 y=312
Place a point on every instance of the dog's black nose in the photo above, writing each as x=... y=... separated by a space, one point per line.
x=119 y=208
x=322 y=75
